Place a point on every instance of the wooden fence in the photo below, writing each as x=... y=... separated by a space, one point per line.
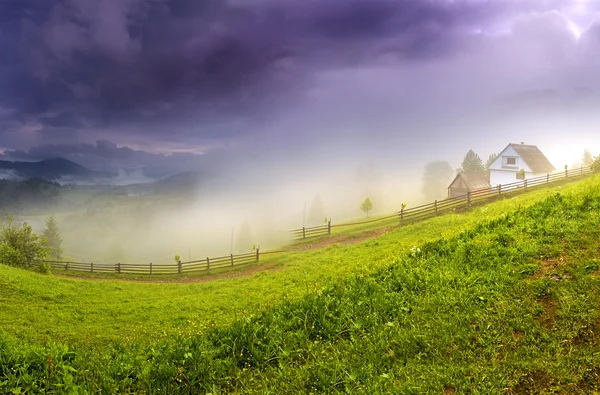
x=405 y=216
x=151 y=268
x=443 y=206
x=438 y=207
x=307 y=233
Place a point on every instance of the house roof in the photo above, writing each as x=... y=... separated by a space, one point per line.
x=533 y=157
x=474 y=180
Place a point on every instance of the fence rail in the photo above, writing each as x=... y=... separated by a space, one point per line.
x=307 y=233
x=405 y=216
x=443 y=206
x=429 y=210
x=151 y=268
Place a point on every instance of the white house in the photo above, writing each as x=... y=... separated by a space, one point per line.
x=505 y=169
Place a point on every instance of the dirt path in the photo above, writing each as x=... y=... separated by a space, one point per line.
x=343 y=239
x=214 y=276
x=248 y=271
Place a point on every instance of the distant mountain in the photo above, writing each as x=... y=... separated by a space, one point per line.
x=52 y=170
x=187 y=182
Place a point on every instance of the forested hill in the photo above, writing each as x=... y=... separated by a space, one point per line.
x=52 y=169
x=21 y=195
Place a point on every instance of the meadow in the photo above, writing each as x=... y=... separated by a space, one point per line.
x=501 y=298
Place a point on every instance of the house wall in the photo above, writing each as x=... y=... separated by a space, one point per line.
x=509 y=151
x=508 y=177
x=454 y=192
x=458 y=184
x=457 y=188
x=503 y=174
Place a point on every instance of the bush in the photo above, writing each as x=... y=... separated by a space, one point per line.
x=20 y=247
x=10 y=256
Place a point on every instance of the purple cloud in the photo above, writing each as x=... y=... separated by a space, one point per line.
x=208 y=74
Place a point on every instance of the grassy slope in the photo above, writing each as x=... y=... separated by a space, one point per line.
x=38 y=307
x=508 y=304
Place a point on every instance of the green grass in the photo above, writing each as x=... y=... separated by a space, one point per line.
x=76 y=311
x=503 y=297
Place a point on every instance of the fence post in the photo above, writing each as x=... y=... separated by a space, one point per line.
x=401 y=214
x=436 y=207
x=257 y=253
x=547 y=178
x=150 y=267
x=118 y=267
x=178 y=267
x=566 y=173
x=92 y=266
x=499 y=189
x=525 y=183
x=303 y=232
x=469 y=197
x=231 y=259
x=207 y=263
x=66 y=265
x=329 y=227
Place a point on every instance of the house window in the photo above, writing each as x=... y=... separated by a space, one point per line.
x=509 y=161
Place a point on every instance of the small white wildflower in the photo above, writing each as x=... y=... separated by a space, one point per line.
x=414 y=251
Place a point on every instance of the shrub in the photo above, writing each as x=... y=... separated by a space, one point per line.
x=20 y=247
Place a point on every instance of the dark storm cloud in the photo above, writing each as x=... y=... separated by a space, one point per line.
x=64 y=119
x=166 y=73
x=156 y=63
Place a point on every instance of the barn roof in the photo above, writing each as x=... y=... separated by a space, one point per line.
x=533 y=157
x=474 y=180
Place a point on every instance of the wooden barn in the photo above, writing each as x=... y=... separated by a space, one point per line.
x=469 y=181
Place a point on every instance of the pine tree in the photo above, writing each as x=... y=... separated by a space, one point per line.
x=316 y=214
x=52 y=235
x=245 y=238
x=472 y=162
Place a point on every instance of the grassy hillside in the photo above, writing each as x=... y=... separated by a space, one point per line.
x=503 y=298
x=81 y=312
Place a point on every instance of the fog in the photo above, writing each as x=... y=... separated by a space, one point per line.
x=267 y=180
x=274 y=103
x=273 y=191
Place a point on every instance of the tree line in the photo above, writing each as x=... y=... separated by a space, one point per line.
x=36 y=192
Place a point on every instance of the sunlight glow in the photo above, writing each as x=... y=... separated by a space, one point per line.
x=574 y=28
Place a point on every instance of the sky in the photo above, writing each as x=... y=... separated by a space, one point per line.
x=258 y=89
